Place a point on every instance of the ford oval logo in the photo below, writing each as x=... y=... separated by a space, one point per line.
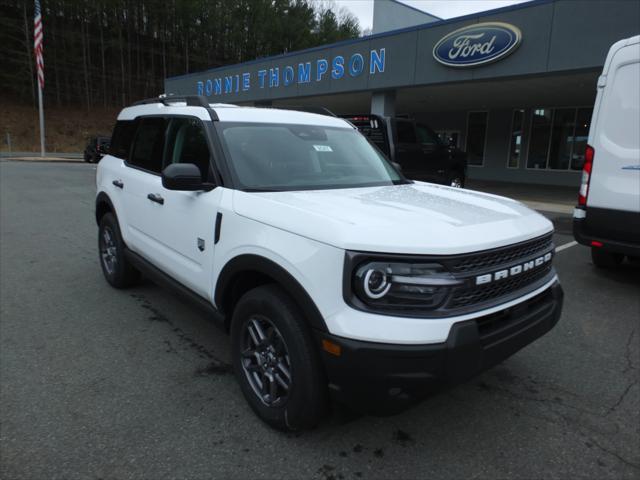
x=477 y=44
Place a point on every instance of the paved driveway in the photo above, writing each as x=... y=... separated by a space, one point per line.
x=100 y=383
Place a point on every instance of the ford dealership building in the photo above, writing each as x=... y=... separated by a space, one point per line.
x=514 y=87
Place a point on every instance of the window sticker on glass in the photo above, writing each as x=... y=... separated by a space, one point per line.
x=322 y=148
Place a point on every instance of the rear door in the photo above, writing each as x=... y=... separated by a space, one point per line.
x=615 y=134
x=142 y=187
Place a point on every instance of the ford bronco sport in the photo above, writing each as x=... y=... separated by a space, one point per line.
x=335 y=276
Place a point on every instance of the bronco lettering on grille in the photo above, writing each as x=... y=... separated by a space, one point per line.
x=514 y=270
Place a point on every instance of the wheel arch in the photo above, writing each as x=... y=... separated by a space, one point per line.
x=248 y=271
x=103 y=206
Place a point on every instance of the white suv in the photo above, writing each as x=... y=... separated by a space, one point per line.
x=335 y=275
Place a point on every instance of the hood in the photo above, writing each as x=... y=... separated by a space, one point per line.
x=418 y=218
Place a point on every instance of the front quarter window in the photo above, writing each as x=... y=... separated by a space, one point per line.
x=303 y=157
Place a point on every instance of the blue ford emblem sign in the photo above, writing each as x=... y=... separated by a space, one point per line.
x=477 y=44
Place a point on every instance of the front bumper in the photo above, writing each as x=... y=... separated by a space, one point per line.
x=382 y=378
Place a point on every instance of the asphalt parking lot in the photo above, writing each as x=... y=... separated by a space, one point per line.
x=100 y=383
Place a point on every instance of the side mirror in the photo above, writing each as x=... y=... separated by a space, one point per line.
x=183 y=176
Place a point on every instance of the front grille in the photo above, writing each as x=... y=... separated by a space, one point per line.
x=480 y=294
x=485 y=279
x=487 y=260
x=499 y=322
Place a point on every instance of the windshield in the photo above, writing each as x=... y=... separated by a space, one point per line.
x=303 y=157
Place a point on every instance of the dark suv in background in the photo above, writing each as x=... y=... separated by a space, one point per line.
x=96 y=148
x=415 y=147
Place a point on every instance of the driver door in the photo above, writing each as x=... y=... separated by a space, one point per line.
x=187 y=229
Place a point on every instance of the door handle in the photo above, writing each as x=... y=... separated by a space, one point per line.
x=118 y=183
x=154 y=197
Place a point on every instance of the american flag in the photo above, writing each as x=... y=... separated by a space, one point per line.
x=37 y=43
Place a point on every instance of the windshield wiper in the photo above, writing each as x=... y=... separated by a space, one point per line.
x=263 y=189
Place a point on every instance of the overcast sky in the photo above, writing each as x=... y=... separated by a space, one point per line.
x=363 y=9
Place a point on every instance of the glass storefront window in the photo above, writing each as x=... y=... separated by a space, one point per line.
x=558 y=138
x=540 y=136
x=515 y=148
x=476 y=137
x=562 y=138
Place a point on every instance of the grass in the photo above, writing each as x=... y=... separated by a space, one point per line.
x=66 y=128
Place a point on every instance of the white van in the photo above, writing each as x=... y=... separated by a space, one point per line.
x=607 y=217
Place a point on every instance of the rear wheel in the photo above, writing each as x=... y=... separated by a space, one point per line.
x=116 y=268
x=275 y=360
x=604 y=259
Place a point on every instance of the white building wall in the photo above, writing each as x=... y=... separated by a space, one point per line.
x=392 y=15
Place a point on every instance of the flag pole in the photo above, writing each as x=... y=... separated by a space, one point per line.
x=41 y=112
x=37 y=50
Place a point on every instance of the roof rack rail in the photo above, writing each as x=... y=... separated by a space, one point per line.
x=310 y=109
x=191 y=100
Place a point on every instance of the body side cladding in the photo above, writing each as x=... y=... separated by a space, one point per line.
x=248 y=271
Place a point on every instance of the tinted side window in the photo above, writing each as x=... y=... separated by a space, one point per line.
x=187 y=143
x=426 y=136
x=406 y=133
x=121 y=138
x=148 y=144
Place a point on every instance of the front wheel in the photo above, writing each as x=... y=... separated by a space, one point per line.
x=456 y=181
x=275 y=360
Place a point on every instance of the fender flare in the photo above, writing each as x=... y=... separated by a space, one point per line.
x=101 y=199
x=255 y=263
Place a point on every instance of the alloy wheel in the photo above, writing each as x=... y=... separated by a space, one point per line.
x=265 y=361
x=108 y=250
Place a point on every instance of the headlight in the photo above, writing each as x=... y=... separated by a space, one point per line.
x=400 y=285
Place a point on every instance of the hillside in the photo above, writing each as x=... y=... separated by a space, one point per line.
x=66 y=128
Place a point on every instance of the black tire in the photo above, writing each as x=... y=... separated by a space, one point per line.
x=87 y=158
x=604 y=259
x=116 y=268
x=304 y=403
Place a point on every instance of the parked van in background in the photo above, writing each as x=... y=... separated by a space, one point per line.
x=607 y=217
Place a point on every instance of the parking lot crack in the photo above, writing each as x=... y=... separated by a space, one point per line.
x=622 y=397
x=614 y=454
